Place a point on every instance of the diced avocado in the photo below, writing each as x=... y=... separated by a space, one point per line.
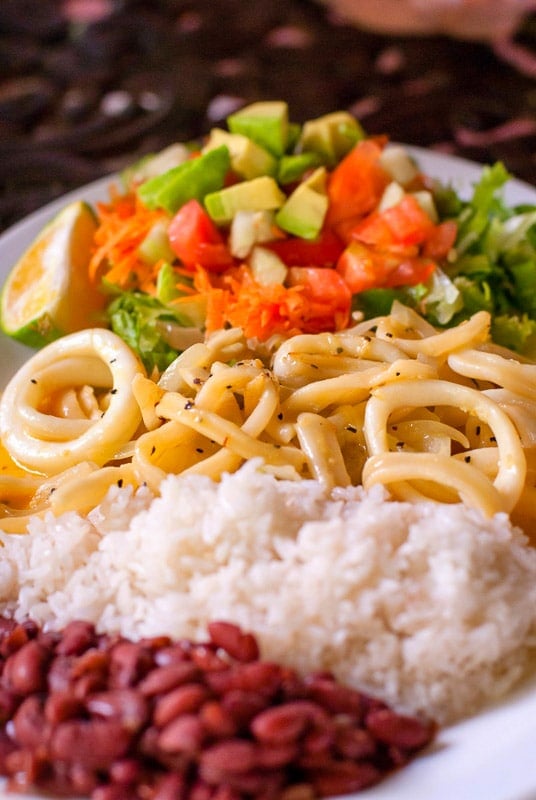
x=248 y=159
x=191 y=180
x=265 y=122
x=266 y=266
x=304 y=211
x=331 y=136
x=156 y=247
x=259 y=194
x=292 y=167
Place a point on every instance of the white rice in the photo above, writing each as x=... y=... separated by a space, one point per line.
x=431 y=607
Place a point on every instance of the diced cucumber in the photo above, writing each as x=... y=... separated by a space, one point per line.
x=397 y=162
x=155 y=247
x=266 y=266
x=249 y=228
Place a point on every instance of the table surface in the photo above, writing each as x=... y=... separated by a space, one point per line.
x=81 y=98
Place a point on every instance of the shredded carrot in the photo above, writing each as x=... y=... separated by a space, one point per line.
x=124 y=223
x=236 y=299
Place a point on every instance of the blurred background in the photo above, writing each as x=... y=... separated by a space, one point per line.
x=88 y=86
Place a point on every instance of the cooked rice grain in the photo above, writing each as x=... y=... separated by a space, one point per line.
x=430 y=607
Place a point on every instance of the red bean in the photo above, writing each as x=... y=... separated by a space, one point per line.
x=184 y=735
x=287 y=722
x=217 y=720
x=345 y=777
x=228 y=757
x=239 y=645
x=60 y=706
x=93 y=743
x=128 y=664
x=182 y=700
x=169 y=787
x=126 y=706
x=76 y=638
x=242 y=705
x=355 y=743
x=104 y=716
x=25 y=671
x=163 y=679
x=336 y=698
x=30 y=726
x=399 y=730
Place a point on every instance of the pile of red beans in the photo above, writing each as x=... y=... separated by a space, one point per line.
x=113 y=719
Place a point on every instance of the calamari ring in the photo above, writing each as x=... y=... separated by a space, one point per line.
x=512 y=466
x=48 y=444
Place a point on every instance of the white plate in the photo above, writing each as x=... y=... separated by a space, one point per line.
x=489 y=757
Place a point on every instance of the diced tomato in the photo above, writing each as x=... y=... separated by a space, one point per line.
x=328 y=295
x=196 y=240
x=321 y=252
x=361 y=268
x=441 y=240
x=364 y=268
x=357 y=183
x=405 y=223
x=410 y=272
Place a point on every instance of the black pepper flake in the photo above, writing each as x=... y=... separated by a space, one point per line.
x=33 y=380
x=188 y=405
x=52 y=490
x=467 y=459
x=227 y=325
x=199 y=450
x=314 y=366
x=339 y=350
x=477 y=430
x=394 y=427
x=351 y=428
x=400 y=445
x=367 y=338
x=113 y=391
x=120 y=483
x=112 y=360
x=493 y=438
x=389 y=335
x=229 y=386
x=397 y=374
x=197 y=381
x=153 y=450
x=280 y=415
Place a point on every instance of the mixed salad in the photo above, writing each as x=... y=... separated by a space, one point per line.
x=281 y=228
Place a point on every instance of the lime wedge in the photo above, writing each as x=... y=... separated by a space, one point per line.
x=48 y=292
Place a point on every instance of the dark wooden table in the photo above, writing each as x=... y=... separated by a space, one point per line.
x=82 y=98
